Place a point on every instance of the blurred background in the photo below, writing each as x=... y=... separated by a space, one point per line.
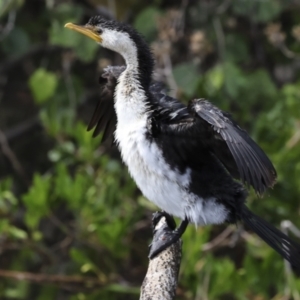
x=73 y=225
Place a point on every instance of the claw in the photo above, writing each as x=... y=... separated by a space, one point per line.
x=166 y=235
x=158 y=215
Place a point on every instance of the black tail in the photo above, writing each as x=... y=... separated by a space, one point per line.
x=280 y=242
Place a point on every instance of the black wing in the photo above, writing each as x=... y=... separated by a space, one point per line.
x=200 y=122
x=206 y=124
x=253 y=165
x=104 y=117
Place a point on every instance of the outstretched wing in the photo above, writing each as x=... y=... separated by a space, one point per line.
x=104 y=118
x=253 y=165
x=201 y=122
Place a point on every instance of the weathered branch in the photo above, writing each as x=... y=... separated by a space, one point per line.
x=160 y=282
x=54 y=279
x=7 y=151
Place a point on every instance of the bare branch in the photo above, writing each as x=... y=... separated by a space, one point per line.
x=4 y=146
x=112 y=7
x=162 y=275
x=220 y=36
x=168 y=72
x=54 y=279
x=9 y=25
x=67 y=59
x=221 y=9
x=219 y=240
x=287 y=52
x=286 y=226
x=22 y=128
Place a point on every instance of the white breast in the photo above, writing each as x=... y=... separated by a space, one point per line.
x=165 y=187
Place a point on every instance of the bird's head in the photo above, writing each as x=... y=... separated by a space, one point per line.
x=109 y=34
x=122 y=39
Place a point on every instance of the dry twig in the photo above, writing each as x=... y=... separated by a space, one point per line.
x=87 y=282
x=7 y=151
x=286 y=226
x=9 y=25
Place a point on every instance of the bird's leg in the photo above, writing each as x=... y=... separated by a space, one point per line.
x=168 y=235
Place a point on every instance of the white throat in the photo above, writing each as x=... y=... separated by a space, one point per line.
x=130 y=97
x=121 y=43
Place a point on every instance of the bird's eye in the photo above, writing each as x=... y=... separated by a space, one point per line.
x=99 y=30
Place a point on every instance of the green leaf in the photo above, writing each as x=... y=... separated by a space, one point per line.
x=260 y=88
x=258 y=11
x=17 y=291
x=8 y=5
x=234 y=80
x=187 y=77
x=146 y=20
x=214 y=80
x=121 y=288
x=16 y=43
x=79 y=256
x=17 y=233
x=36 y=200
x=8 y=200
x=237 y=49
x=43 y=85
x=291 y=93
x=84 y=47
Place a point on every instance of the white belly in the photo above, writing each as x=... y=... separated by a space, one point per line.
x=165 y=187
x=156 y=180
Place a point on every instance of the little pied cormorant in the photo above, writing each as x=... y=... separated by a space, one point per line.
x=185 y=159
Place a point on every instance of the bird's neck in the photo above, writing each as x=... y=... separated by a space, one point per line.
x=139 y=61
x=132 y=101
x=132 y=95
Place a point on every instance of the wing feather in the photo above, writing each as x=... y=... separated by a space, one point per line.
x=104 y=118
x=253 y=165
x=201 y=121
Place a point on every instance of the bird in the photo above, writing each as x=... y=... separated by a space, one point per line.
x=193 y=161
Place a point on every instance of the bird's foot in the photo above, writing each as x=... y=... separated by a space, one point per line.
x=166 y=235
x=156 y=217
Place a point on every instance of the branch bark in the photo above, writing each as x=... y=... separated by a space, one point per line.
x=161 y=280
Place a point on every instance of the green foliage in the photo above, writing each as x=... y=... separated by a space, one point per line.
x=58 y=35
x=187 y=77
x=84 y=47
x=43 y=85
x=258 y=11
x=213 y=82
x=17 y=43
x=145 y=22
x=237 y=50
x=8 y=5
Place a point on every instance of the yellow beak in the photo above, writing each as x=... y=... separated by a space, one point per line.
x=88 y=31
